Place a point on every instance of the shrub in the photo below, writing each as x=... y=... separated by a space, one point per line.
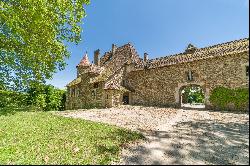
x=47 y=97
x=230 y=99
x=43 y=97
x=12 y=98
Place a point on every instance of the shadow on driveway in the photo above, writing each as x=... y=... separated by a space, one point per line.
x=195 y=142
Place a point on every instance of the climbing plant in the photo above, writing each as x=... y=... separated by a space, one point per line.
x=230 y=99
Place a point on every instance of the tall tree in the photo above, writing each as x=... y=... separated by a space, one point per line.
x=32 y=36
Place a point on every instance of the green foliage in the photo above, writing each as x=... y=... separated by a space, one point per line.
x=32 y=35
x=46 y=97
x=12 y=99
x=230 y=99
x=194 y=94
x=43 y=97
x=41 y=138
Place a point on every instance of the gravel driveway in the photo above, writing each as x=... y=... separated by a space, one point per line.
x=177 y=136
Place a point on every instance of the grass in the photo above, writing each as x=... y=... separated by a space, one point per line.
x=44 y=138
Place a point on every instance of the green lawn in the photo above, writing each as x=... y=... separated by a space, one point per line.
x=44 y=138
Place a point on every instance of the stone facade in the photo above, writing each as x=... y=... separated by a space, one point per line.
x=121 y=76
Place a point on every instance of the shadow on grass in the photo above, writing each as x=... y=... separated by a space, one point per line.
x=200 y=141
x=122 y=137
x=6 y=111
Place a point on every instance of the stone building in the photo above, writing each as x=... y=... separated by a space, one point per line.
x=120 y=76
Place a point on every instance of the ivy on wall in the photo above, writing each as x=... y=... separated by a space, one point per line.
x=230 y=99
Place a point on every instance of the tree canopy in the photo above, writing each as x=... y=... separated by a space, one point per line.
x=32 y=36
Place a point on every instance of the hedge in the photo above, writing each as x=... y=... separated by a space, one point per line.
x=12 y=98
x=230 y=99
x=43 y=97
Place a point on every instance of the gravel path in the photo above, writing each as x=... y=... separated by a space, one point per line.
x=176 y=136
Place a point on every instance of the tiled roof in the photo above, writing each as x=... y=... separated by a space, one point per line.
x=232 y=47
x=114 y=81
x=127 y=47
x=74 y=82
x=84 y=61
x=103 y=76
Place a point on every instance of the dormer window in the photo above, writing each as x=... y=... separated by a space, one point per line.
x=190 y=76
x=190 y=49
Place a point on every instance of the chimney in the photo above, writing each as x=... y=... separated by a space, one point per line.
x=113 y=48
x=96 y=57
x=145 y=57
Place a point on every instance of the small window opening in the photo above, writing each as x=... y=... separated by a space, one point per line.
x=94 y=93
x=247 y=71
x=190 y=76
x=96 y=85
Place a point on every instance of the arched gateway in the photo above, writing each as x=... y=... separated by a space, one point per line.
x=180 y=97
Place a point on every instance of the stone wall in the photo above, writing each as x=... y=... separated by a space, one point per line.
x=160 y=86
x=112 y=98
x=157 y=81
x=86 y=95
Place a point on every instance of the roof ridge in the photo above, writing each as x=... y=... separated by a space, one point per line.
x=208 y=47
x=110 y=51
x=225 y=43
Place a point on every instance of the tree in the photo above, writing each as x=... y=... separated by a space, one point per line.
x=32 y=36
x=193 y=94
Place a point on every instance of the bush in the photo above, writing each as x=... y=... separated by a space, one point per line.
x=230 y=99
x=43 y=97
x=47 y=97
x=12 y=98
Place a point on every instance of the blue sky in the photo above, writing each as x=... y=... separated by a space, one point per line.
x=158 y=27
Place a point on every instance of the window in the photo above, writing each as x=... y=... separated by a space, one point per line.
x=96 y=85
x=107 y=96
x=247 y=71
x=72 y=92
x=94 y=93
x=124 y=82
x=190 y=76
x=77 y=92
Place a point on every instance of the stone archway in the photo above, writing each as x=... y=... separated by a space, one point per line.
x=192 y=96
x=181 y=86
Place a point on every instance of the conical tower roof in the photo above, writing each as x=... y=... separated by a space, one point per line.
x=84 y=61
